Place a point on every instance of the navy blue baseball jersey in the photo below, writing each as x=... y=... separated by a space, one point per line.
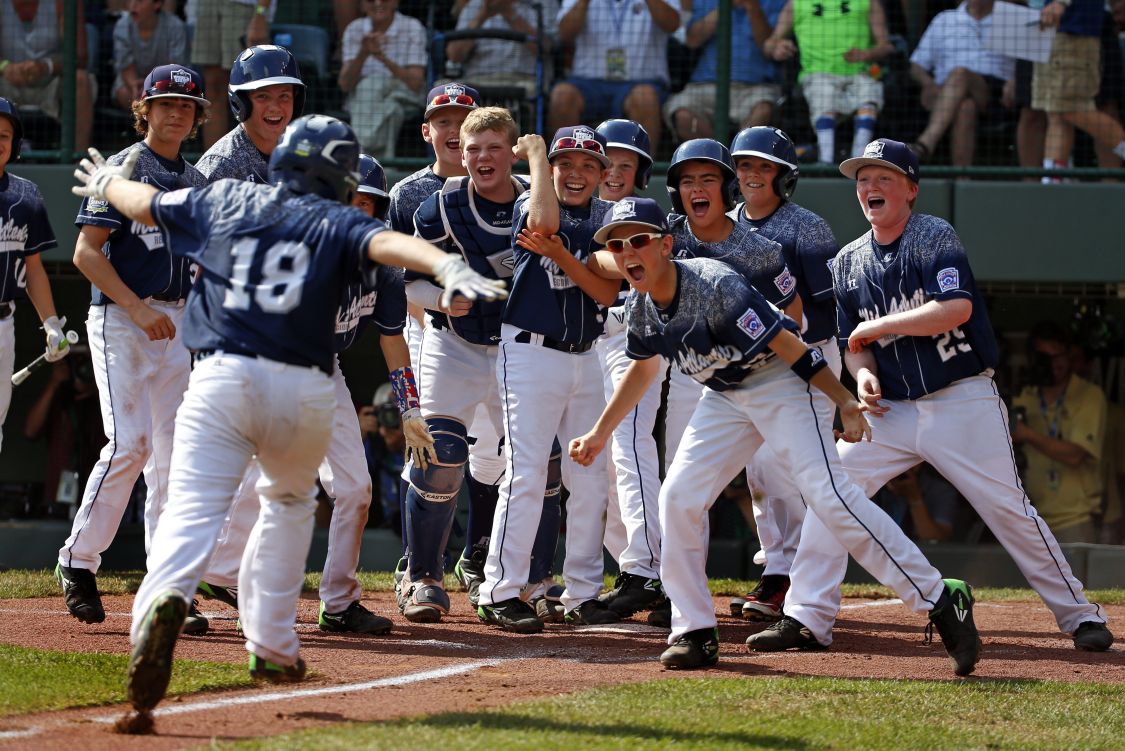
x=407 y=195
x=716 y=330
x=808 y=245
x=383 y=303
x=274 y=265
x=459 y=221
x=758 y=259
x=926 y=263
x=137 y=251
x=24 y=231
x=235 y=156
x=543 y=299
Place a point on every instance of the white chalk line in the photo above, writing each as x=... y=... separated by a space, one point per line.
x=872 y=604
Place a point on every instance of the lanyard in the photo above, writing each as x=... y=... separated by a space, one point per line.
x=619 y=17
x=1053 y=423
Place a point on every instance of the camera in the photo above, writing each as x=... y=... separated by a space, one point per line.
x=387 y=415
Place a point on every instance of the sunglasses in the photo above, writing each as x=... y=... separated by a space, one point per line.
x=462 y=99
x=173 y=87
x=639 y=241
x=574 y=143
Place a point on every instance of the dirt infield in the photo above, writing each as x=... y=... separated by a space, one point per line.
x=460 y=664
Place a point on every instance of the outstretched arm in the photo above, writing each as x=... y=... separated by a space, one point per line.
x=626 y=395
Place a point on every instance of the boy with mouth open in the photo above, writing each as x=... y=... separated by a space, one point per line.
x=758 y=377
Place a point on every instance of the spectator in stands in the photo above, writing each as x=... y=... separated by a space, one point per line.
x=144 y=38
x=31 y=62
x=385 y=55
x=498 y=62
x=840 y=45
x=922 y=502
x=385 y=445
x=1066 y=85
x=223 y=29
x=753 y=88
x=620 y=66
x=960 y=79
x=1061 y=427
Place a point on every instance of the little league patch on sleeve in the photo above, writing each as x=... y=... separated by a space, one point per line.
x=948 y=279
x=785 y=282
x=751 y=324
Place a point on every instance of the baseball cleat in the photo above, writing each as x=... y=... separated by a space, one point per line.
x=262 y=669
x=953 y=619
x=592 y=613
x=736 y=604
x=787 y=633
x=513 y=615
x=80 y=591
x=425 y=603
x=632 y=593
x=765 y=601
x=195 y=624
x=695 y=649
x=355 y=619
x=662 y=616
x=1092 y=636
x=546 y=598
x=470 y=572
x=150 y=665
x=228 y=595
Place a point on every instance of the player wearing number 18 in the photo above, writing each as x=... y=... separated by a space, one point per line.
x=261 y=318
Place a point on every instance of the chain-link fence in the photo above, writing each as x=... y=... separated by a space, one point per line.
x=977 y=87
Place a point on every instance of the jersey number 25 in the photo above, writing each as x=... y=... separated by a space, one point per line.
x=282 y=276
x=951 y=343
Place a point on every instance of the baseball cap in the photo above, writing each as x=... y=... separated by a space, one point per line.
x=643 y=211
x=451 y=95
x=883 y=152
x=165 y=81
x=579 y=138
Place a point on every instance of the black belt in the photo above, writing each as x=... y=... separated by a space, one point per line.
x=168 y=298
x=203 y=354
x=6 y=309
x=524 y=337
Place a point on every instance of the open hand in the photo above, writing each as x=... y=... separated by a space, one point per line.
x=549 y=246
x=94 y=174
x=458 y=278
x=419 y=442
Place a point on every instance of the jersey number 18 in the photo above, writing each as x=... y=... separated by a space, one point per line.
x=282 y=276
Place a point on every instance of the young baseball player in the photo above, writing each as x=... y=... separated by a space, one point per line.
x=632 y=521
x=921 y=348
x=25 y=232
x=261 y=324
x=766 y=162
x=550 y=380
x=265 y=94
x=758 y=376
x=140 y=365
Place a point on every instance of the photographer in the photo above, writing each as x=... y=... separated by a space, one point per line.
x=385 y=445
x=1060 y=424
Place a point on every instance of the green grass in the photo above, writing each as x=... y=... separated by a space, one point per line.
x=35 y=680
x=22 y=583
x=777 y=713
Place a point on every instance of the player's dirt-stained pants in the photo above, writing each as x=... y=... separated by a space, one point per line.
x=345 y=478
x=545 y=393
x=962 y=430
x=140 y=385
x=634 y=470
x=773 y=405
x=237 y=407
x=7 y=365
x=780 y=511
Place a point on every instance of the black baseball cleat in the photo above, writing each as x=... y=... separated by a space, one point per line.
x=591 y=613
x=632 y=593
x=513 y=615
x=262 y=669
x=196 y=624
x=1093 y=636
x=695 y=649
x=228 y=595
x=662 y=616
x=150 y=665
x=788 y=633
x=470 y=572
x=354 y=619
x=952 y=616
x=80 y=591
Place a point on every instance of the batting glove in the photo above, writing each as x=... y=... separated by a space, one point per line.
x=94 y=174
x=459 y=279
x=419 y=442
x=57 y=345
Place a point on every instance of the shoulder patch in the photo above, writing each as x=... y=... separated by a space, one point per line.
x=948 y=279
x=96 y=206
x=784 y=282
x=751 y=324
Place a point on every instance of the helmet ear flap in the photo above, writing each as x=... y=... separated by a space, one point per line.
x=785 y=184
x=240 y=105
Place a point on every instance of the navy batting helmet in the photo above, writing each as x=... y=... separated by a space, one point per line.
x=702 y=150
x=317 y=154
x=626 y=134
x=772 y=144
x=264 y=65
x=373 y=181
x=8 y=111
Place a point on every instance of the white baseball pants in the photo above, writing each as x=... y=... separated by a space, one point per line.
x=237 y=407
x=684 y=394
x=140 y=386
x=7 y=367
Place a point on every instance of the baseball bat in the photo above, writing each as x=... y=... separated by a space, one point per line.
x=38 y=362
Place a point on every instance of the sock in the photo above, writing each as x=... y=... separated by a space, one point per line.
x=482 y=507
x=546 y=540
x=1049 y=163
x=1119 y=149
x=864 y=134
x=826 y=139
